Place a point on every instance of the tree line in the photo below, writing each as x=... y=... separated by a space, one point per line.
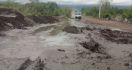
x=109 y=12
x=104 y=9
x=36 y=8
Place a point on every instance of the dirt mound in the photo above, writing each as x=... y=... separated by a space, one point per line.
x=117 y=36
x=10 y=18
x=44 y=19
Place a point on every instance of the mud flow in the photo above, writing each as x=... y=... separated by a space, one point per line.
x=117 y=36
x=64 y=45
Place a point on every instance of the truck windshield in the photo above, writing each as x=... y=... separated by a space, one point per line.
x=77 y=13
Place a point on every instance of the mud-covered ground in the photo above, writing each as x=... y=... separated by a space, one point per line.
x=67 y=45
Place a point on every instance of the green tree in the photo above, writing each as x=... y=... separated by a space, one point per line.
x=36 y=8
x=65 y=11
x=34 y=1
x=103 y=5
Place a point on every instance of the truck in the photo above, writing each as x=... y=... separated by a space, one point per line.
x=76 y=14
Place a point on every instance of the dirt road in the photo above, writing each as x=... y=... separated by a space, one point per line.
x=58 y=47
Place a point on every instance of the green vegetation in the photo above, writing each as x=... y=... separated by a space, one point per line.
x=90 y=11
x=105 y=10
x=108 y=12
x=111 y=12
x=36 y=8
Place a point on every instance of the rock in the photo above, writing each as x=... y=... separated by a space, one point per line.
x=39 y=64
x=93 y=63
x=71 y=29
x=61 y=50
x=93 y=46
x=126 y=64
x=108 y=68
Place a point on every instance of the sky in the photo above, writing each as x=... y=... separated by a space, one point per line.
x=116 y=2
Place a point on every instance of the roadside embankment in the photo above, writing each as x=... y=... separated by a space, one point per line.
x=108 y=23
x=10 y=19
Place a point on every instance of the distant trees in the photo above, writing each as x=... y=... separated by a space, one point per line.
x=108 y=11
x=34 y=1
x=65 y=11
x=90 y=11
x=10 y=0
x=8 y=3
x=42 y=9
x=111 y=13
x=36 y=8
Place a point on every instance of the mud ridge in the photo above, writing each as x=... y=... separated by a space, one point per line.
x=117 y=36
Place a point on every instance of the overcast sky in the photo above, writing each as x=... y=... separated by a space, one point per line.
x=118 y=2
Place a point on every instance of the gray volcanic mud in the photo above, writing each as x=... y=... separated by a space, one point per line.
x=67 y=45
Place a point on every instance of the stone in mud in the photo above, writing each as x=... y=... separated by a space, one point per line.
x=71 y=29
x=93 y=46
x=61 y=50
x=25 y=64
x=126 y=64
x=39 y=64
x=108 y=68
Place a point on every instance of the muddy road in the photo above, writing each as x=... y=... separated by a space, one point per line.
x=67 y=45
